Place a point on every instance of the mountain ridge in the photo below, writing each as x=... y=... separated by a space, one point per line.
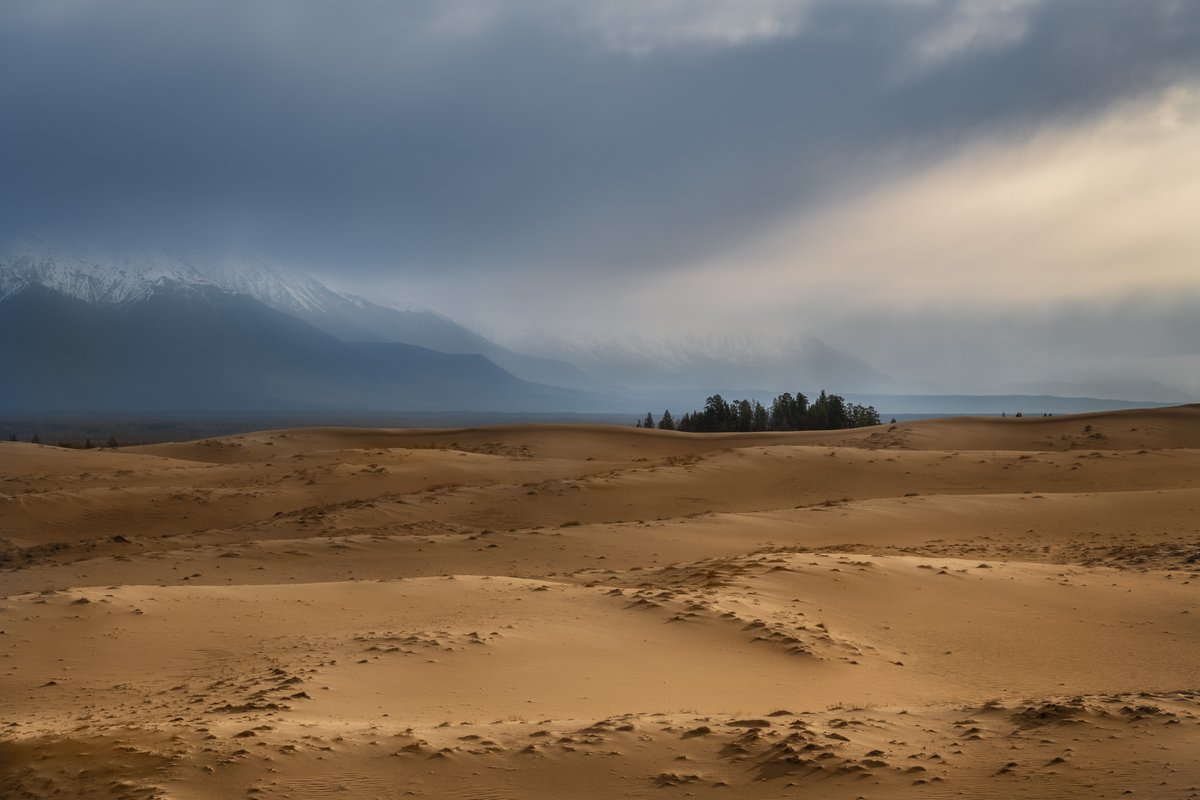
x=669 y=373
x=106 y=280
x=187 y=347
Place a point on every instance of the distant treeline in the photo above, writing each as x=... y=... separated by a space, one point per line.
x=86 y=444
x=787 y=413
x=102 y=430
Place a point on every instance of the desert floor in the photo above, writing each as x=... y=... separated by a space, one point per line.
x=954 y=608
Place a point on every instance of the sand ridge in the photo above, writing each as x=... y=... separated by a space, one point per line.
x=961 y=607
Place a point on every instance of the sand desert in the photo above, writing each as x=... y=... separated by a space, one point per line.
x=964 y=607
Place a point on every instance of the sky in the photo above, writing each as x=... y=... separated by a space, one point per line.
x=967 y=195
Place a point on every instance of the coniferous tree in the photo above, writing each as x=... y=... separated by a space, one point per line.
x=862 y=416
x=744 y=416
x=666 y=423
x=817 y=417
x=718 y=416
x=648 y=422
x=760 y=420
x=781 y=413
x=838 y=418
x=786 y=413
x=36 y=439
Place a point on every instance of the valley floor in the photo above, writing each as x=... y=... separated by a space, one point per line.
x=955 y=608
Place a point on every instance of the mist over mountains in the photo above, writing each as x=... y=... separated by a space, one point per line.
x=149 y=332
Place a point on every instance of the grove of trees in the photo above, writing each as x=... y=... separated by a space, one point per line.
x=786 y=413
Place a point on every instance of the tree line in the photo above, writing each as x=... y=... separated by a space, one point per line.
x=73 y=445
x=786 y=413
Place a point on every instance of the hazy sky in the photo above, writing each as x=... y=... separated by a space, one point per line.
x=932 y=185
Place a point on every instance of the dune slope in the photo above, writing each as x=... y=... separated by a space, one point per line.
x=963 y=607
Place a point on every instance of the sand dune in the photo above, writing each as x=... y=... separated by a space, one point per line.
x=962 y=607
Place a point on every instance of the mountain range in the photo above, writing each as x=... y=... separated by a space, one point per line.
x=154 y=334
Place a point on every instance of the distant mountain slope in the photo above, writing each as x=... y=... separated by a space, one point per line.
x=991 y=404
x=95 y=280
x=469 y=381
x=1140 y=392
x=355 y=319
x=805 y=364
x=102 y=279
x=198 y=348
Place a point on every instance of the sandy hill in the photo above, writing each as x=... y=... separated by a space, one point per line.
x=971 y=607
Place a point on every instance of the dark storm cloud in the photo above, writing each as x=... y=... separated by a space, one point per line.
x=377 y=135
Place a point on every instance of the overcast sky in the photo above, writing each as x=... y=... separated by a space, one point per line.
x=932 y=185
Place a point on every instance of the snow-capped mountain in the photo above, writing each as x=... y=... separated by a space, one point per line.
x=664 y=367
x=104 y=279
x=130 y=336
x=289 y=293
x=352 y=318
x=101 y=279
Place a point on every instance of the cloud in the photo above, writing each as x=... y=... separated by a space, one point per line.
x=1095 y=208
x=729 y=166
x=971 y=26
x=1066 y=257
x=526 y=136
x=641 y=27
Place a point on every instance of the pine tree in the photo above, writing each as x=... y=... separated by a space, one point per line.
x=36 y=439
x=743 y=416
x=666 y=423
x=817 y=417
x=759 y=419
x=718 y=415
x=112 y=441
x=648 y=422
x=862 y=416
x=839 y=418
x=781 y=413
x=787 y=413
